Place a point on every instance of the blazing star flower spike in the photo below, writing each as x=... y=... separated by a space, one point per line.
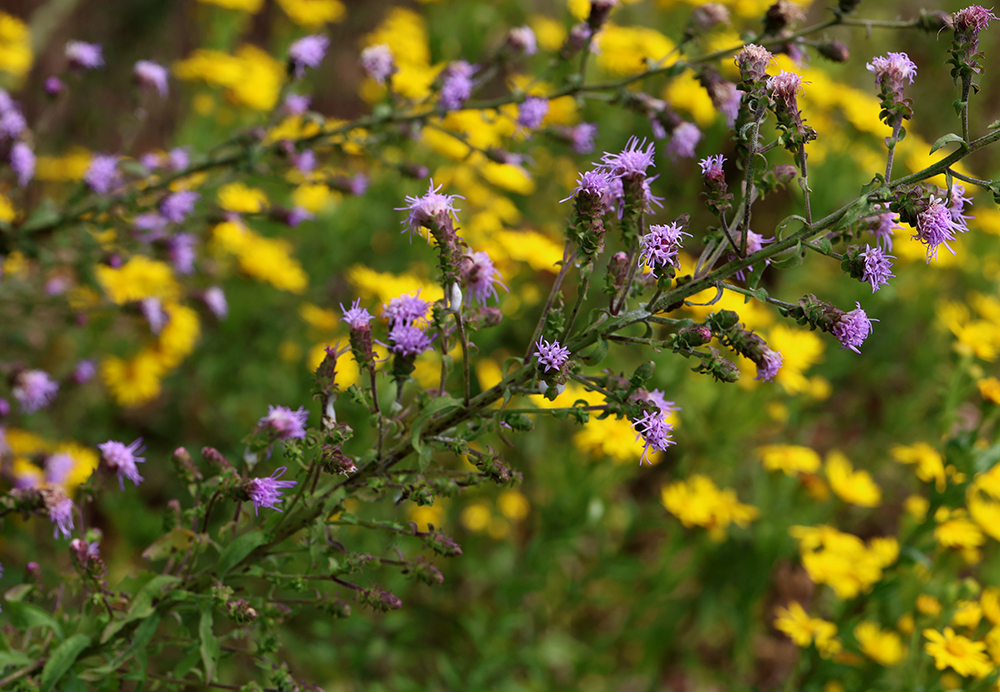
x=84 y=55
x=285 y=423
x=878 y=267
x=769 y=365
x=631 y=162
x=61 y=514
x=356 y=317
x=659 y=247
x=405 y=309
x=408 y=341
x=267 y=491
x=102 y=173
x=22 y=162
x=937 y=226
x=457 y=86
x=551 y=355
x=378 y=62
x=432 y=208
x=654 y=432
x=308 y=51
x=853 y=328
x=683 y=140
x=123 y=459
x=34 y=389
x=480 y=276
x=532 y=112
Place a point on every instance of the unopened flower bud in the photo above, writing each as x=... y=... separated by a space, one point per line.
x=835 y=51
x=216 y=457
x=780 y=15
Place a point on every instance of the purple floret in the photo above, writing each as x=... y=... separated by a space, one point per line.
x=356 y=317
x=480 y=276
x=683 y=140
x=457 y=86
x=22 y=162
x=769 y=365
x=152 y=76
x=532 y=112
x=267 y=491
x=936 y=226
x=180 y=249
x=378 y=62
x=123 y=459
x=405 y=309
x=285 y=423
x=583 y=137
x=308 y=51
x=631 y=161
x=61 y=514
x=407 y=340
x=432 y=208
x=711 y=167
x=878 y=267
x=551 y=355
x=853 y=328
x=84 y=55
x=176 y=206
x=655 y=433
x=659 y=247
x=34 y=389
x=102 y=173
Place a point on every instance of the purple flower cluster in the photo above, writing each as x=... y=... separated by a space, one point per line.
x=582 y=137
x=457 y=86
x=407 y=340
x=659 y=247
x=711 y=167
x=83 y=55
x=356 y=317
x=532 y=112
x=152 y=76
x=176 y=206
x=769 y=365
x=12 y=126
x=936 y=225
x=378 y=62
x=884 y=227
x=551 y=355
x=215 y=299
x=853 y=328
x=878 y=267
x=267 y=491
x=34 y=389
x=683 y=140
x=654 y=431
x=631 y=162
x=405 y=309
x=58 y=467
x=522 y=39
x=753 y=61
x=61 y=514
x=308 y=51
x=432 y=208
x=285 y=423
x=480 y=276
x=102 y=173
x=123 y=459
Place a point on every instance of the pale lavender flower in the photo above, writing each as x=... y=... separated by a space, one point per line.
x=61 y=514
x=150 y=161
x=936 y=226
x=877 y=267
x=215 y=299
x=890 y=72
x=659 y=247
x=102 y=173
x=297 y=215
x=631 y=162
x=58 y=466
x=179 y=158
x=356 y=317
x=657 y=397
x=522 y=39
x=152 y=76
x=552 y=355
x=308 y=51
x=432 y=208
x=594 y=184
x=6 y=102
x=582 y=136
x=711 y=167
x=285 y=423
x=267 y=491
x=359 y=184
x=785 y=85
x=180 y=249
x=969 y=22
x=34 y=389
x=152 y=310
x=151 y=224
x=884 y=228
x=753 y=61
x=769 y=365
x=378 y=62
x=408 y=341
x=122 y=460
x=726 y=98
x=457 y=86
x=532 y=112
x=84 y=371
x=405 y=309
x=22 y=162
x=12 y=123
x=683 y=140
x=853 y=328
x=655 y=433
x=480 y=276
x=84 y=55
x=53 y=85
x=177 y=205
x=57 y=285
x=956 y=204
x=305 y=162
x=297 y=104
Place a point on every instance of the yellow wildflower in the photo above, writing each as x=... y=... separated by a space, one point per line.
x=906 y=624
x=251 y=6
x=69 y=167
x=513 y=505
x=992 y=641
x=382 y=286
x=882 y=646
x=842 y=560
x=252 y=76
x=424 y=516
x=549 y=33
x=854 y=487
x=699 y=502
x=140 y=277
x=476 y=517
x=135 y=381
x=804 y=630
x=312 y=14
x=265 y=259
x=929 y=462
x=686 y=93
x=928 y=605
x=989 y=600
x=242 y=199
x=627 y=50
x=967 y=614
x=611 y=437
x=964 y=656
x=85 y=460
x=7 y=211
x=959 y=533
x=15 y=46
x=179 y=334
x=792 y=459
x=916 y=506
x=24 y=443
x=989 y=388
x=312 y=197
x=318 y=318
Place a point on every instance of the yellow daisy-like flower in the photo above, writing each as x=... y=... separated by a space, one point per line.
x=242 y=199
x=312 y=14
x=929 y=462
x=791 y=459
x=989 y=600
x=513 y=505
x=959 y=533
x=928 y=605
x=251 y=6
x=15 y=45
x=699 y=502
x=961 y=654
x=133 y=382
x=882 y=646
x=804 y=630
x=968 y=614
x=140 y=277
x=989 y=388
x=854 y=487
x=179 y=334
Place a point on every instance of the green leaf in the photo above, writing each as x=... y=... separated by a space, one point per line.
x=27 y=615
x=947 y=139
x=597 y=353
x=170 y=544
x=141 y=606
x=14 y=658
x=238 y=549
x=18 y=592
x=62 y=659
x=441 y=403
x=209 y=643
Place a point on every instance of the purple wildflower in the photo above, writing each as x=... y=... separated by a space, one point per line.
x=890 y=72
x=407 y=340
x=308 y=51
x=552 y=355
x=152 y=76
x=432 y=208
x=305 y=162
x=594 y=184
x=711 y=167
x=22 y=162
x=659 y=247
x=34 y=389
x=285 y=423
x=457 y=86
x=359 y=184
x=655 y=433
x=378 y=62
x=532 y=112
x=102 y=173
x=631 y=162
x=582 y=136
x=769 y=365
x=58 y=466
x=726 y=98
x=297 y=104
x=151 y=224
x=84 y=371
x=853 y=328
x=356 y=317
x=180 y=249
x=152 y=310
x=53 y=85
x=753 y=61
x=657 y=397
x=480 y=275
x=785 y=85
x=176 y=206
x=12 y=123
x=877 y=267
x=84 y=55
x=179 y=158
x=956 y=204
x=973 y=18
x=297 y=215
x=936 y=226
x=683 y=140
x=61 y=514
x=522 y=39
x=405 y=309
x=267 y=490
x=884 y=227
x=215 y=299
x=122 y=460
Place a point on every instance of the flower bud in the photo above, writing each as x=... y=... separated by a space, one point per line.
x=780 y=15
x=835 y=51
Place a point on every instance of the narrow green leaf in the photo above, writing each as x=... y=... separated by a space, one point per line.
x=234 y=553
x=947 y=139
x=14 y=658
x=62 y=659
x=441 y=403
x=169 y=544
x=27 y=615
x=209 y=643
x=142 y=604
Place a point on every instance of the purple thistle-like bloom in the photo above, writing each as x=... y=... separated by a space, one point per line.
x=357 y=317
x=683 y=140
x=179 y=158
x=152 y=310
x=711 y=167
x=523 y=39
x=308 y=51
x=973 y=19
x=297 y=104
x=853 y=328
x=102 y=173
x=378 y=62
x=956 y=204
x=84 y=371
x=176 y=206
x=267 y=490
x=891 y=70
x=34 y=389
x=53 y=85
x=631 y=162
x=655 y=433
x=405 y=309
x=552 y=355
x=284 y=422
x=22 y=162
x=180 y=249
x=297 y=215
x=785 y=85
x=305 y=162
x=594 y=184
x=936 y=226
x=58 y=466
x=152 y=76
x=61 y=514
x=457 y=86
x=582 y=136
x=122 y=460
x=359 y=184
x=12 y=123
x=480 y=276
x=85 y=55
x=877 y=267
x=151 y=224
x=659 y=247
x=532 y=112
x=407 y=340
x=769 y=365
x=753 y=61
x=885 y=227
x=726 y=98
x=215 y=299
x=657 y=397
x=432 y=208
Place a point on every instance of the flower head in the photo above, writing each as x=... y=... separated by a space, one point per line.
x=102 y=173
x=122 y=460
x=785 y=85
x=152 y=75
x=532 y=112
x=961 y=654
x=457 y=86
x=522 y=39
x=631 y=162
x=769 y=365
x=936 y=226
x=405 y=309
x=84 y=55
x=34 y=389
x=883 y=227
x=853 y=328
x=753 y=61
x=177 y=205
x=972 y=19
x=408 y=341
x=378 y=62
x=215 y=299
x=582 y=136
x=180 y=249
x=61 y=514
x=267 y=490
x=659 y=247
x=890 y=72
x=285 y=423
x=683 y=140
x=551 y=355
x=84 y=371
x=654 y=431
x=22 y=162
x=308 y=51
x=357 y=317
x=297 y=104
x=877 y=267
x=12 y=122
x=711 y=167
x=432 y=208
x=480 y=276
